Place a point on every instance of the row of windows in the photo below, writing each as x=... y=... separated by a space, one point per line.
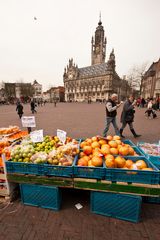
x=86 y=94
x=86 y=83
x=83 y=89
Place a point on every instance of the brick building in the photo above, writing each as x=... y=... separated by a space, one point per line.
x=151 y=81
x=55 y=94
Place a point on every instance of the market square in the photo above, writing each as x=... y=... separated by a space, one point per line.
x=38 y=223
x=79 y=120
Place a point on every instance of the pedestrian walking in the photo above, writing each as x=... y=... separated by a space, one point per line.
x=19 y=109
x=33 y=105
x=42 y=102
x=149 y=110
x=55 y=103
x=127 y=116
x=111 y=113
x=143 y=102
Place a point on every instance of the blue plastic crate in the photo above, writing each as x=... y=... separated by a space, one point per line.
x=41 y=196
x=151 y=200
x=24 y=168
x=134 y=176
x=137 y=150
x=155 y=160
x=88 y=172
x=127 y=141
x=144 y=152
x=59 y=171
x=39 y=169
x=122 y=206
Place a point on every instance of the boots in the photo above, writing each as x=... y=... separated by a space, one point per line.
x=134 y=133
x=121 y=131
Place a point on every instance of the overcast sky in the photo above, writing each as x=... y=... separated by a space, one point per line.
x=39 y=49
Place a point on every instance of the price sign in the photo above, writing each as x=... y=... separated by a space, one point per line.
x=61 y=135
x=37 y=136
x=28 y=121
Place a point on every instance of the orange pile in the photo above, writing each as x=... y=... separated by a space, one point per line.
x=95 y=148
x=3 y=144
x=18 y=135
x=11 y=129
x=120 y=162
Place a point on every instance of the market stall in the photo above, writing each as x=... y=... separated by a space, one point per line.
x=7 y=137
x=115 y=171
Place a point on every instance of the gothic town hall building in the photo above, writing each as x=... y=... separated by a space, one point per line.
x=95 y=82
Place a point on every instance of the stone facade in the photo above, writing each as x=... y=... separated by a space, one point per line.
x=151 y=81
x=37 y=90
x=95 y=82
x=55 y=94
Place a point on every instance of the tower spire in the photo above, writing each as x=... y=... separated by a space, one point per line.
x=98 y=45
x=100 y=22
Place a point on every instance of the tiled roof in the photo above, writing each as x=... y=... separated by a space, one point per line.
x=97 y=69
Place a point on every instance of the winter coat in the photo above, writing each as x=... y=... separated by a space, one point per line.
x=19 y=109
x=128 y=111
x=32 y=105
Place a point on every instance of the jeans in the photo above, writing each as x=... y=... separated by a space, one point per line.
x=125 y=123
x=110 y=120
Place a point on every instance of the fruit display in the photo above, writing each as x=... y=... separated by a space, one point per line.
x=18 y=135
x=120 y=162
x=151 y=149
x=9 y=130
x=40 y=157
x=22 y=153
x=49 y=143
x=50 y=151
x=94 y=149
x=3 y=143
x=64 y=155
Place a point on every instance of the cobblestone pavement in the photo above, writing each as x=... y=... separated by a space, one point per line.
x=81 y=120
x=21 y=222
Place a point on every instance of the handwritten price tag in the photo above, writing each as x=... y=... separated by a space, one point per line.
x=37 y=136
x=61 y=135
x=28 y=121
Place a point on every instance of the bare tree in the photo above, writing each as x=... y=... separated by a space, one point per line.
x=26 y=89
x=135 y=75
x=10 y=90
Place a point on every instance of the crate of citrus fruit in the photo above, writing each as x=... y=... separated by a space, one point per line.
x=107 y=158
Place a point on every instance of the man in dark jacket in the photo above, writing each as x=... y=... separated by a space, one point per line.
x=33 y=105
x=111 y=113
x=127 y=116
x=19 y=109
